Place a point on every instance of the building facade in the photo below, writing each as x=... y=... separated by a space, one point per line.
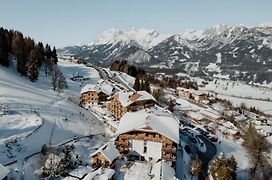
x=104 y=156
x=93 y=94
x=148 y=135
x=123 y=102
x=148 y=145
x=89 y=98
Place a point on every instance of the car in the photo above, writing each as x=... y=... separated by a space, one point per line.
x=193 y=139
x=213 y=139
x=187 y=149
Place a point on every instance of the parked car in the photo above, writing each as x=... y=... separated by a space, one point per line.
x=193 y=140
x=187 y=149
x=213 y=139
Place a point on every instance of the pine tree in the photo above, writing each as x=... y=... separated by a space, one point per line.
x=4 y=50
x=18 y=49
x=41 y=54
x=9 y=35
x=146 y=85
x=17 y=43
x=171 y=105
x=48 y=59
x=33 y=65
x=54 y=56
x=136 y=85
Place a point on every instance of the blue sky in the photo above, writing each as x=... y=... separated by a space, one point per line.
x=68 y=22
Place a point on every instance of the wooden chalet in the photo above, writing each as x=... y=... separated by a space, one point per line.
x=148 y=135
x=129 y=101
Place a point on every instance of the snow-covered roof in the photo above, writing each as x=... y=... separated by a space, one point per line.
x=267 y=129
x=108 y=150
x=160 y=122
x=195 y=115
x=210 y=113
x=227 y=130
x=186 y=105
x=101 y=86
x=128 y=97
x=186 y=90
x=87 y=88
x=4 y=171
x=100 y=174
x=228 y=125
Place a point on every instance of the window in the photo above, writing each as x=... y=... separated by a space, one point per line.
x=145 y=149
x=129 y=145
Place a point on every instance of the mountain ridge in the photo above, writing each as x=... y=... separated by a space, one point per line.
x=245 y=52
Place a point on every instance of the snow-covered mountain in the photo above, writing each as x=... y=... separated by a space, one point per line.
x=142 y=38
x=232 y=51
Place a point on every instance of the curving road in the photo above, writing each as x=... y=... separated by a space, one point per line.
x=206 y=157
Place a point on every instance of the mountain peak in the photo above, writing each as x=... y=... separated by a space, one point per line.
x=143 y=37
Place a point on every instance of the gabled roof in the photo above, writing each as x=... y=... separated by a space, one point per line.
x=100 y=174
x=87 y=88
x=128 y=97
x=108 y=150
x=159 y=120
x=101 y=86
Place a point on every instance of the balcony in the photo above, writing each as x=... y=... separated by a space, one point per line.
x=170 y=150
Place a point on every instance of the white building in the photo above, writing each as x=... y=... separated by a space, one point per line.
x=150 y=134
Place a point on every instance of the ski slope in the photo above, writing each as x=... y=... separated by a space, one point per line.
x=37 y=115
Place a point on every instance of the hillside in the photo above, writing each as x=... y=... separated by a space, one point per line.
x=37 y=115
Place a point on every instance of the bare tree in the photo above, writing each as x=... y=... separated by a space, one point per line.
x=257 y=146
x=223 y=168
x=58 y=80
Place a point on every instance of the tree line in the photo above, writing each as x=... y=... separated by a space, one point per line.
x=30 y=56
x=144 y=79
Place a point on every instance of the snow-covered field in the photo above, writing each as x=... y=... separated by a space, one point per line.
x=238 y=93
x=38 y=115
x=18 y=126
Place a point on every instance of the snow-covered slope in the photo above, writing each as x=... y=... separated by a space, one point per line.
x=37 y=115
